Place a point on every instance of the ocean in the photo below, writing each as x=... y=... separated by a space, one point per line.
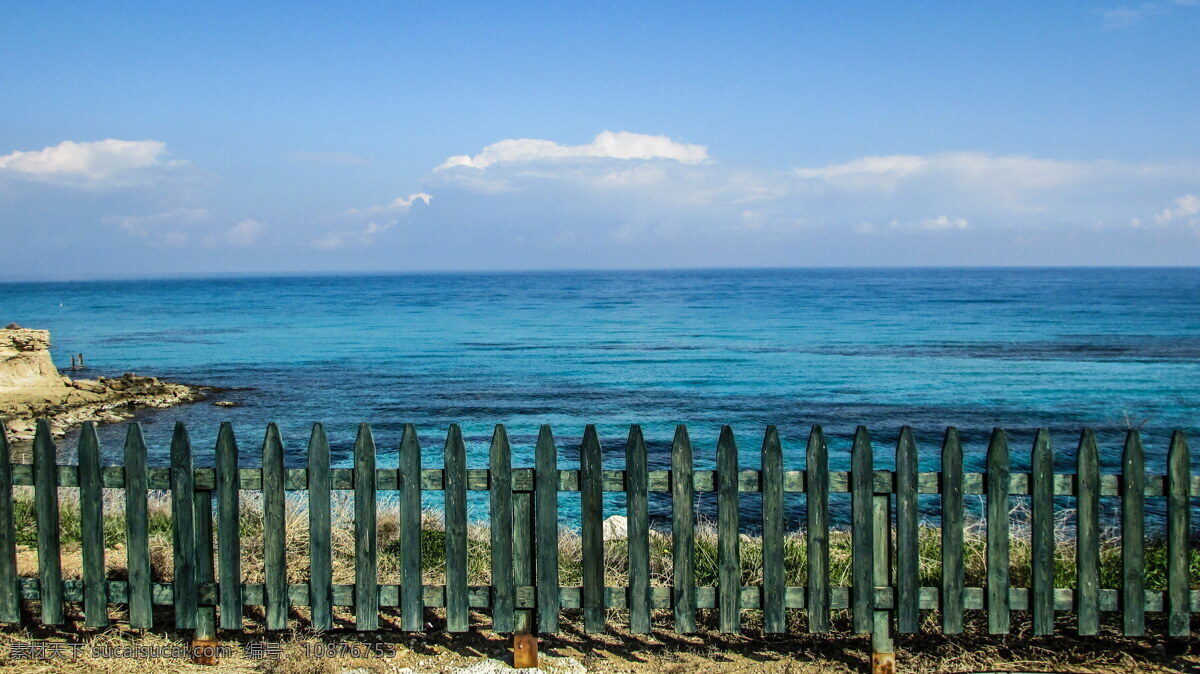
x=1015 y=348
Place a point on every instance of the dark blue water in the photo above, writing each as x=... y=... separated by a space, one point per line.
x=974 y=348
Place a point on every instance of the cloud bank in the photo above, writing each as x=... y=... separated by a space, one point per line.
x=99 y=164
x=606 y=144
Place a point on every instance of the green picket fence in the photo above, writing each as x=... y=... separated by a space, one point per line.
x=885 y=594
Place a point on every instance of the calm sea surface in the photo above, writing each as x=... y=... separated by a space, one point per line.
x=978 y=348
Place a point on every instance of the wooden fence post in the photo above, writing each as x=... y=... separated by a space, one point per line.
x=862 y=487
x=10 y=597
x=883 y=651
x=503 y=590
x=592 y=513
x=816 y=473
x=998 y=560
x=524 y=570
x=952 y=533
x=45 y=487
x=683 y=532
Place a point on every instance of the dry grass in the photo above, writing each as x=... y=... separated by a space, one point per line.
x=569 y=543
x=616 y=651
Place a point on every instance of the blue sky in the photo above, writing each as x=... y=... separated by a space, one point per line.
x=141 y=139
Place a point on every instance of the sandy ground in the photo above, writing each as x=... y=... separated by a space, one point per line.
x=481 y=651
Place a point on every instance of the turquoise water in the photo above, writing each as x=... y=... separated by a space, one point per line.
x=976 y=348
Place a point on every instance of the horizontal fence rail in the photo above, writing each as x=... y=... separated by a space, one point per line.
x=884 y=594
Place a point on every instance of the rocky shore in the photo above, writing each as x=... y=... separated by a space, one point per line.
x=31 y=387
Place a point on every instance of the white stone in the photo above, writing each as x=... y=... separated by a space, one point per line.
x=616 y=528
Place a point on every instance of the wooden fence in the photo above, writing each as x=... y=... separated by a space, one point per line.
x=885 y=594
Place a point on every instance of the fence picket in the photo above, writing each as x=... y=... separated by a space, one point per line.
x=997 y=533
x=503 y=591
x=202 y=505
x=229 y=543
x=457 y=611
x=1042 y=533
x=1133 y=537
x=683 y=532
x=320 y=532
x=1178 y=537
x=10 y=596
x=817 y=495
x=637 y=479
x=524 y=558
x=952 y=603
x=908 y=585
x=137 y=535
x=412 y=600
x=91 y=516
x=546 y=525
x=524 y=514
x=772 y=533
x=183 y=485
x=275 y=587
x=592 y=512
x=729 y=574
x=862 y=488
x=1087 y=535
x=366 y=543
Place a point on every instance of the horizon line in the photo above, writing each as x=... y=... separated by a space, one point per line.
x=282 y=274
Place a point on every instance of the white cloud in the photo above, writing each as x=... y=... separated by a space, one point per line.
x=398 y=205
x=244 y=233
x=144 y=225
x=943 y=222
x=1008 y=178
x=1129 y=15
x=1186 y=210
x=607 y=144
x=351 y=238
x=98 y=164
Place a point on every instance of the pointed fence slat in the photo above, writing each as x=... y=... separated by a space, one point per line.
x=546 y=525
x=729 y=574
x=1178 y=536
x=137 y=536
x=45 y=486
x=320 y=531
x=529 y=569
x=952 y=600
x=274 y=529
x=229 y=539
x=457 y=611
x=183 y=485
x=817 y=486
x=412 y=600
x=637 y=479
x=683 y=532
x=908 y=582
x=10 y=597
x=862 y=488
x=592 y=511
x=91 y=524
x=503 y=590
x=774 y=619
x=1087 y=535
x=1042 y=533
x=366 y=540
x=1133 y=536
x=997 y=533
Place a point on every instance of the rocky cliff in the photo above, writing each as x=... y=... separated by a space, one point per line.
x=32 y=388
x=25 y=360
